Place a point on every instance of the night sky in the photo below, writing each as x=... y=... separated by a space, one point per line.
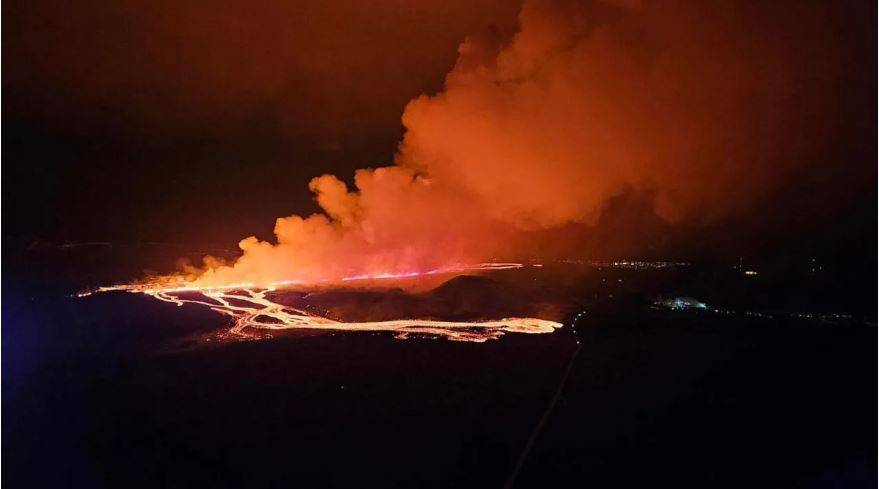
x=154 y=121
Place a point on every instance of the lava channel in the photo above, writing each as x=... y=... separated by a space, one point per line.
x=253 y=310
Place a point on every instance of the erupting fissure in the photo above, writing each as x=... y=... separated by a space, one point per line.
x=611 y=123
x=253 y=309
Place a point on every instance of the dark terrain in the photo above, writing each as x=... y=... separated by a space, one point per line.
x=119 y=390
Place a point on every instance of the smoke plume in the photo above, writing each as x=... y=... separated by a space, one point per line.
x=703 y=106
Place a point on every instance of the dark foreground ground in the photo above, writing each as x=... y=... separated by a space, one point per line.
x=118 y=390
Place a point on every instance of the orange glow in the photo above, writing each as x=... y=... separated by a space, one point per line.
x=176 y=284
x=544 y=130
x=261 y=313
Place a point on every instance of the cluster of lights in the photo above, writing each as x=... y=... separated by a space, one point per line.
x=682 y=303
x=679 y=304
x=629 y=264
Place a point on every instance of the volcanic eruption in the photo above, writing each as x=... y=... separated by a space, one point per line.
x=587 y=101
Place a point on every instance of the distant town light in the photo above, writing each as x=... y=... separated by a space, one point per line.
x=681 y=303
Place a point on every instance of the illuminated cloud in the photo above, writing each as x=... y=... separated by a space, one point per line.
x=587 y=101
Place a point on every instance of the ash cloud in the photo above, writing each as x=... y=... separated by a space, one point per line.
x=706 y=108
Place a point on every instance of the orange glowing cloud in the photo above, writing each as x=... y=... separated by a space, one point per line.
x=585 y=102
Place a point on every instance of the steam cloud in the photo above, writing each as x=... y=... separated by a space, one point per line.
x=682 y=101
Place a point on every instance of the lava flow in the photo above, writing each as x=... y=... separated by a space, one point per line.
x=253 y=309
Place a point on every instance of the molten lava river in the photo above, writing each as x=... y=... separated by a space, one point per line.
x=254 y=310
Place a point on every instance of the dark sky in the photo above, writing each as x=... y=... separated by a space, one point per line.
x=161 y=121
x=196 y=122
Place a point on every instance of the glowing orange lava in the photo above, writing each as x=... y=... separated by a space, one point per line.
x=252 y=309
x=169 y=284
